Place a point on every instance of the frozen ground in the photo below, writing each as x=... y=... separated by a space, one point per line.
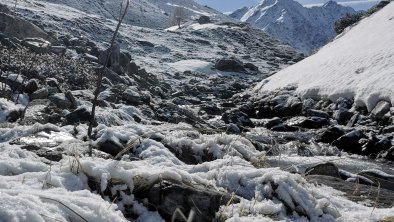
x=47 y=175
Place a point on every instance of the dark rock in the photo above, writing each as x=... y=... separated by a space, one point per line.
x=318 y=113
x=146 y=44
x=58 y=50
x=14 y=115
x=380 y=110
x=229 y=65
x=327 y=169
x=308 y=123
x=132 y=68
x=204 y=20
x=211 y=109
x=388 y=129
x=114 y=58
x=110 y=147
x=388 y=155
x=342 y=115
x=31 y=86
x=168 y=196
x=131 y=96
x=384 y=181
x=364 y=194
x=375 y=145
x=39 y=94
x=79 y=115
x=251 y=66
x=238 y=118
x=352 y=122
x=273 y=122
x=60 y=100
x=350 y=142
x=286 y=105
x=51 y=155
x=330 y=134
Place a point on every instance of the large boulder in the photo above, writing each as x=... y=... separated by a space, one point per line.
x=350 y=142
x=380 y=110
x=229 y=65
x=22 y=29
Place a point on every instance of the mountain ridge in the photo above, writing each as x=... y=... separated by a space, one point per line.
x=306 y=29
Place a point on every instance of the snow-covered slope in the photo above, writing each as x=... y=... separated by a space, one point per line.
x=303 y=28
x=359 y=64
x=145 y=13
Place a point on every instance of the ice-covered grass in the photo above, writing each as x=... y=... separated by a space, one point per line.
x=53 y=189
x=358 y=64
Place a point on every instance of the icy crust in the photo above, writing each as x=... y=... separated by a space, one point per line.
x=6 y=107
x=359 y=65
x=45 y=189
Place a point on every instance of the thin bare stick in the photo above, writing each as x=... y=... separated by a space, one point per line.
x=101 y=74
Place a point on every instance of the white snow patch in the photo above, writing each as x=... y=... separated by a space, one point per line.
x=358 y=64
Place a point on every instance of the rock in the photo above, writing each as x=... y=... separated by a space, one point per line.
x=146 y=44
x=308 y=123
x=388 y=154
x=31 y=86
x=131 y=96
x=327 y=169
x=167 y=196
x=114 y=58
x=109 y=146
x=375 y=145
x=60 y=100
x=5 y=90
x=388 y=129
x=380 y=110
x=342 y=115
x=350 y=142
x=124 y=61
x=238 y=118
x=37 y=45
x=330 y=134
x=251 y=66
x=211 y=109
x=318 y=113
x=229 y=65
x=39 y=94
x=58 y=50
x=108 y=95
x=273 y=122
x=90 y=58
x=352 y=122
x=132 y=68
x=365 y=192
x=22 y=29
x=36 y=112
x=380 y=179
x=51 y=155
x=204 y=20
x=14 y=115
x=286 y=105
x=79 y=115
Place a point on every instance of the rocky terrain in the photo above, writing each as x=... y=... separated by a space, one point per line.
x=306 y=29
x=178 y=133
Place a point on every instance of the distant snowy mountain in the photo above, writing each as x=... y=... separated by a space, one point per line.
x=303 y=28
x=359 y=64
x=145 y=13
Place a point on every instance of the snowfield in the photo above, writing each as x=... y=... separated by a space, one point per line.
x=359 y=64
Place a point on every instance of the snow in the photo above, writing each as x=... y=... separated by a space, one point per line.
x=305 y=29
x=359 y=64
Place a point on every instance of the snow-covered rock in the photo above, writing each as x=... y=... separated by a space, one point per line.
x=358 y=64
x=303 y=28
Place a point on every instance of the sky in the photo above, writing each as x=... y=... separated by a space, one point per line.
x=232 y=5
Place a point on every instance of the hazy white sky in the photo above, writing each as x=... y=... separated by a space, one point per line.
x=232 y=5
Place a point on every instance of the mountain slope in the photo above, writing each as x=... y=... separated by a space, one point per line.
x=303 y=28
x=359 y=64
x=145 y=13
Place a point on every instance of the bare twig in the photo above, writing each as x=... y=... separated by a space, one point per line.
x=101 y=74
